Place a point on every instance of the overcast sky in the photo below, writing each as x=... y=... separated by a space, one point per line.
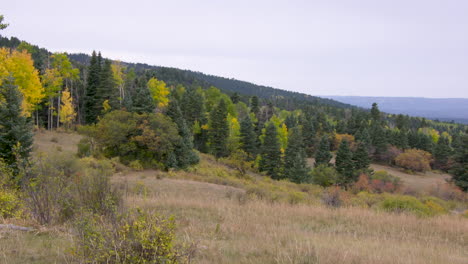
x=329 y=47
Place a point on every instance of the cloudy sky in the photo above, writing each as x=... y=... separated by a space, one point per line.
x=328 y=47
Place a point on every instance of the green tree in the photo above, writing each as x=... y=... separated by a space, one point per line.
x=15 y=128
x=184 y=153
x=308 y=131
x=361 y=157
x=107 y=89
x=248 y=138
x=295 y=164
x=91 y=107
x=324 y=175
x=254 y=105
x=442 y=152
x=323 y=155
x=2 y=25
x=270 y=152
x=375 y=113
x=219 y=130
x=378 y=139
x=459 y=170
x=344 y=164
x=142 y=101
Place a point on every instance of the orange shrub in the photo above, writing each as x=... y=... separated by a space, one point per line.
x=415 y=160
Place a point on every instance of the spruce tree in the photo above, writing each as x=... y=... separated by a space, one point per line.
x=142 y=102
x=378 y=139
x=295 y=164
x=254 y=105
x=344 y=164
x=323 y=155
x=92 y=83
x=15 y=129
x=184 y=153
x=248 y=138
x=107 y=89
x=219 y=130
x=459 y=170
x=375 y=113
x=442 y=152
x=361 y=157
x=308 y=132
x=270 y=161
x=363 y=136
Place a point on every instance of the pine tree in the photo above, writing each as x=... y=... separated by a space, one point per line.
x=15 y=128
x=378 y=139
x=459 y=170
x=295 y=164
x=363 y=136
x=442 y=152
x=235 y=98
x=248 y=138
x=142 y=102
x=344 y=164
x=193 y=107
x=361 y=157
x=270 y=161
x=184 y=153
x=219 y=130
x=375 y=113
x=323 y=155
x=94 y=72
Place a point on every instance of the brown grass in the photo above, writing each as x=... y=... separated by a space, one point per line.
x=228 y=230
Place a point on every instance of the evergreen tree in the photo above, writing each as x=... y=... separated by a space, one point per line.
x=308 y=132
x=459 y=170
x=344 y=164
x=184 y=153
x=442 y=152
x=363 y=136
x=248 y=138
x=15 y=129
x=94 y=72
x=270 y=161
x=107 y=89
x=254 y=105
x=235 y=98
x=378 y=139
x=323 y=155
x=375 y=113
x=361 y=157
x=193 y=107
x=295 y=164
x=142 y=102
x=219 y=130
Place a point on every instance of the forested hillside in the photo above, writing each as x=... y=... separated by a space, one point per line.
x=274 y=146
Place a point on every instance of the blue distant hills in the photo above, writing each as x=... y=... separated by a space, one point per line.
x=443 y=109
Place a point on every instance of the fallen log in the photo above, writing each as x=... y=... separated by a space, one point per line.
x=15 y=227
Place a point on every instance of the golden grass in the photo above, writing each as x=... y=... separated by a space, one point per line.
x=228 y=229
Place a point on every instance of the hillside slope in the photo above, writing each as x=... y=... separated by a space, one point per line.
x=444 y=109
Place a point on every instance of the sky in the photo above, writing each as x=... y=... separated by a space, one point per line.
x=416 y=48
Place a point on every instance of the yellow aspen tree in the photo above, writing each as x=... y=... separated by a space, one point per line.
x=52 y=82
x=119 y=78
x=159 y=92
x=20 y=66
x=67 y=113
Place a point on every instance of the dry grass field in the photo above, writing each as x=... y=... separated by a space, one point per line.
x=215 y=212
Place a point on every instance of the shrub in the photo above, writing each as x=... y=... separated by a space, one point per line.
x=84 y=148
x=136 y=165
x=332 y=197
x=10 y=204
x=404 y=203
x=58 y=187
x=136 y=237
x=324 y=175
x=414 y=159
x=367 y=199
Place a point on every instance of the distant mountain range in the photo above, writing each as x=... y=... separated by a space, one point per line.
x=443 y=109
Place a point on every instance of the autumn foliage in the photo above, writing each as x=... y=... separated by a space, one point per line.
x=415 y=160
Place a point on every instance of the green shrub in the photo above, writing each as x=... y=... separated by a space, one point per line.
x=10 y=204
x=136 y=237
x=405 y=203
x=136 y=165
x=84 y=148
x=324 y=175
